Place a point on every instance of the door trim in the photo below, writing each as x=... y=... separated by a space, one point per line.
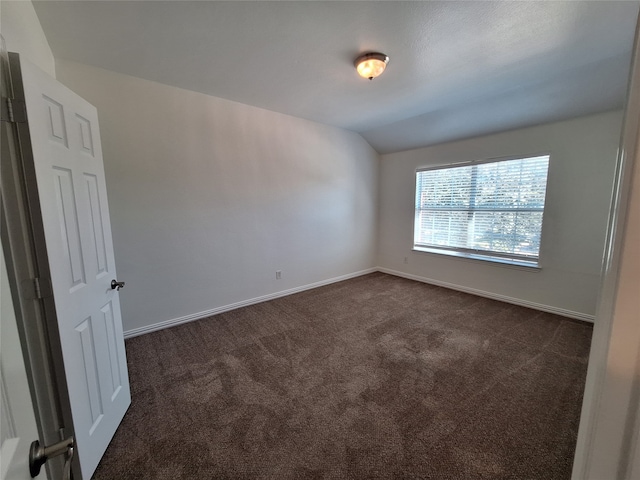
x=605 y=422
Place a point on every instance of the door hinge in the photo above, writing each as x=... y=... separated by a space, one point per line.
x=42 y=287
x=37 y=288
x=13 y=110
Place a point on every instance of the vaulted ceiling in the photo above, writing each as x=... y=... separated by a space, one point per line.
x=456 y=70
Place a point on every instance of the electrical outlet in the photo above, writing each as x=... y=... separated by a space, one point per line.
x=406 y=259
x=278 y=274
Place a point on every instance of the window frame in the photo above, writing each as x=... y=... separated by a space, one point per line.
x=500 y=258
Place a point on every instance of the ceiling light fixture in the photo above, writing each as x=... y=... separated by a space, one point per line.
x=370 y=65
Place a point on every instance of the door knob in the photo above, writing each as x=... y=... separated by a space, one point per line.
x=38 y=456
x=115 y=285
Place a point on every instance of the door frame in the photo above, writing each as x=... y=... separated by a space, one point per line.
x=609 y=425
x=23 y=242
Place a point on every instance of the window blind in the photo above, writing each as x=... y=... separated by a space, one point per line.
x=493 y=208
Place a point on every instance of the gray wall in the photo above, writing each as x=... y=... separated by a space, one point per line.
x=583 y=154
x=22 y=32
x=210 y=197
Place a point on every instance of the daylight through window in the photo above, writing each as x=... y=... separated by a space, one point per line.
x=491 y=210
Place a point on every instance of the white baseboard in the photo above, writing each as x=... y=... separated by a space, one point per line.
x=214 y=311
x=252 y=301
x=503 y=298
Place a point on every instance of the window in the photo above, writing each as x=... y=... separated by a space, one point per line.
x=488 y=210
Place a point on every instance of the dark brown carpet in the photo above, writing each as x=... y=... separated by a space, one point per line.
x=374 y=377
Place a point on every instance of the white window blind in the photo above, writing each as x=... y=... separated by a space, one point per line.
x=491 y=209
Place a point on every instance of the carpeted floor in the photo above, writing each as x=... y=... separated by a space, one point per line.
x=373 y=377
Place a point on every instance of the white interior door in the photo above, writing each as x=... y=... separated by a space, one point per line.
x=73 y=199
x=18 y=423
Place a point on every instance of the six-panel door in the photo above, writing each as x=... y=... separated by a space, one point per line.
x=73 y=199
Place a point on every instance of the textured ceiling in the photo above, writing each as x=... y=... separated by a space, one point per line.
x=457 y=69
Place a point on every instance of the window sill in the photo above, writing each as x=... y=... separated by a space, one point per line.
x=502 y=262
